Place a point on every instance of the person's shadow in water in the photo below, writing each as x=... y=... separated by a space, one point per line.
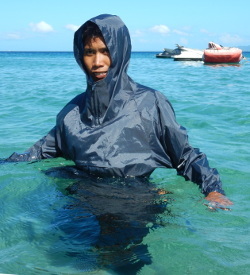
x=104 y=225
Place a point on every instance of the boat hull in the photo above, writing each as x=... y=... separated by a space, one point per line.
x=163 y=55
x=187 y=58
x=222 y=56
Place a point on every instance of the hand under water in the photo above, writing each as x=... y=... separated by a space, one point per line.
x=217 y=200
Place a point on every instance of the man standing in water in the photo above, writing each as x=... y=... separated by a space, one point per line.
x=119 y=128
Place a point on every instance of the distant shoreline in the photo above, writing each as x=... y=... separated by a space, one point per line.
x=244 y=51
x=67 y=51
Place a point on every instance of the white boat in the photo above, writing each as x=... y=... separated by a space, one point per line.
x=168 y=53
x=188 y=54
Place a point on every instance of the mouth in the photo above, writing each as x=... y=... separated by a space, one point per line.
x=99 y=75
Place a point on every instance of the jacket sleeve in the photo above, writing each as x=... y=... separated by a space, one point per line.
x=188 y=161
x=42 y=149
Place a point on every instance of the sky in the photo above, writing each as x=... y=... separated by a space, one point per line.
x=49 y=25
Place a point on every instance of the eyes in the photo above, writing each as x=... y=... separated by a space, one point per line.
x=91 y=51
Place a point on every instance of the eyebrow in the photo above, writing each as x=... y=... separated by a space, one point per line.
x=89 y=47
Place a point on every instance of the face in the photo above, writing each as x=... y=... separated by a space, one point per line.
x=96 y=58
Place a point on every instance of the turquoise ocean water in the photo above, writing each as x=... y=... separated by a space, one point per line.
x=56 y=223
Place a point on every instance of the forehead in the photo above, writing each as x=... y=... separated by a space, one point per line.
x=95 y=42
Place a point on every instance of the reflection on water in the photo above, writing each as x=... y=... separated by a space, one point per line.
x=223 y=64
x=104 y=225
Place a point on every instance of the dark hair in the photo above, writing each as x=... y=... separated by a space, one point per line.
x=91 y=31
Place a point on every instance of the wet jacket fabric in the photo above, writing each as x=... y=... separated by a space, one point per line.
x=121 y=128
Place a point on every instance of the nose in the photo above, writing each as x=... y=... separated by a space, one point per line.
x=98 y=60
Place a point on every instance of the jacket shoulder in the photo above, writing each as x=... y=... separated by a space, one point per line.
x=146 y=96
x=76 y=102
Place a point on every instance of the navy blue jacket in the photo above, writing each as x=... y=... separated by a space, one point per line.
x=118 y=127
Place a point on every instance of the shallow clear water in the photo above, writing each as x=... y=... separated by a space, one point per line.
x=56 y=222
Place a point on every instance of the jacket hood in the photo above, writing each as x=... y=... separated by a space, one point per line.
x=106 y=96
x=116 y=36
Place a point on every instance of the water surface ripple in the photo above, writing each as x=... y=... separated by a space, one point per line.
x=56 y=221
